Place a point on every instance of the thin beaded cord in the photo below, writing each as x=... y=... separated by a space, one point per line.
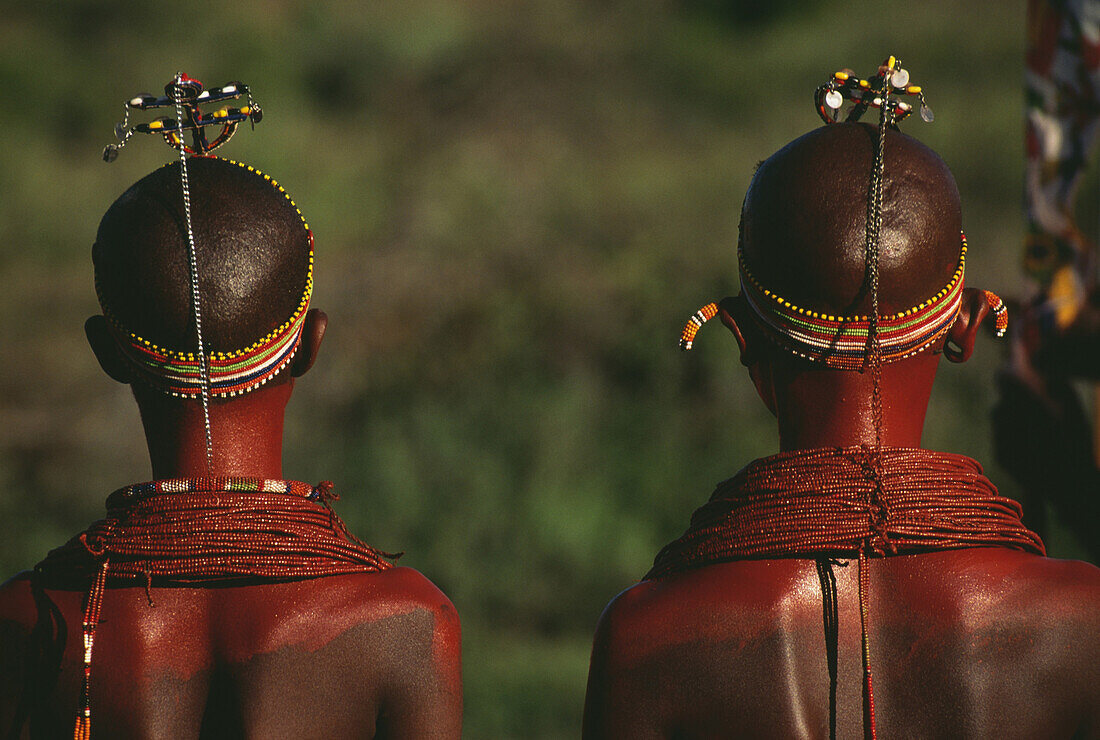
x=204 y=369
x=874 y=360
x=830 y=618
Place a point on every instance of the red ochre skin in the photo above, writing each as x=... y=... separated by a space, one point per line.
x=969 y=643
x=348 y=656
x=978 y=643
x=981 y=643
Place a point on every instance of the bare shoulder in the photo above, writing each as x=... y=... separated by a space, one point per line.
x=1062 y=598
x=613 y=686
x=664 y=645
x=720 y=602
x=387 y=645
x=420 y=640
x=376 y=595
x=312 y=612
x=1029 y=586
x=1041 y=623
x=406 y=594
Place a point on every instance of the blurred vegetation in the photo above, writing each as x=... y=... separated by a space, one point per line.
x=516 y=206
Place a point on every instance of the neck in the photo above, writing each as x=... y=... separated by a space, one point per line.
x=819 y=407
x=246 y=432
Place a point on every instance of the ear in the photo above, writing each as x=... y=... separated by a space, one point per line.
x=312 y=333
x=734 y=313
x=960 y=337
x=106 y=350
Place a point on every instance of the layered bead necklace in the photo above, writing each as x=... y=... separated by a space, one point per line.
x=830 y=503
x=206 y=530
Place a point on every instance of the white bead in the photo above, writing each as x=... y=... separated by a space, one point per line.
x=833 y=99
x=900 y=78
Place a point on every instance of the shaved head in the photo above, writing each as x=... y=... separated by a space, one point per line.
x=804 y=221
x=252 y=251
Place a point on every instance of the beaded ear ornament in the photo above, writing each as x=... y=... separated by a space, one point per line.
x=203 y=373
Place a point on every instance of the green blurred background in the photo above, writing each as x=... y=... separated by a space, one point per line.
x=516 y=207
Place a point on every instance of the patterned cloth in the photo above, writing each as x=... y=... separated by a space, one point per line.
x=1063 y=114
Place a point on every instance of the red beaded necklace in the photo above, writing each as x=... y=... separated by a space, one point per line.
x=202 y=531
x=849 y=502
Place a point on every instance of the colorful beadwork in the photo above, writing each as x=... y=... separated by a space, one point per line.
x=702 y=316
x=1000 y=313
x=864 y=94
x=93 y=604
x=139 y=491
x=179 y=373
x=841 y=341
x=187 y=94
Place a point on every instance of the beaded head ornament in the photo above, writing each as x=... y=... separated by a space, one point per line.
x=198 y=372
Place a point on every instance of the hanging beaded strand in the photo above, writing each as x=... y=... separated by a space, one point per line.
x=876 y=509
x=92 y=606
x=179 y=94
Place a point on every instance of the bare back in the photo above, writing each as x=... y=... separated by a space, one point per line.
x=364 y=655
x=984 y=643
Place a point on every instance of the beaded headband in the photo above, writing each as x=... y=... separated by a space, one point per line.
x=840 y=342
x=179 y=372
